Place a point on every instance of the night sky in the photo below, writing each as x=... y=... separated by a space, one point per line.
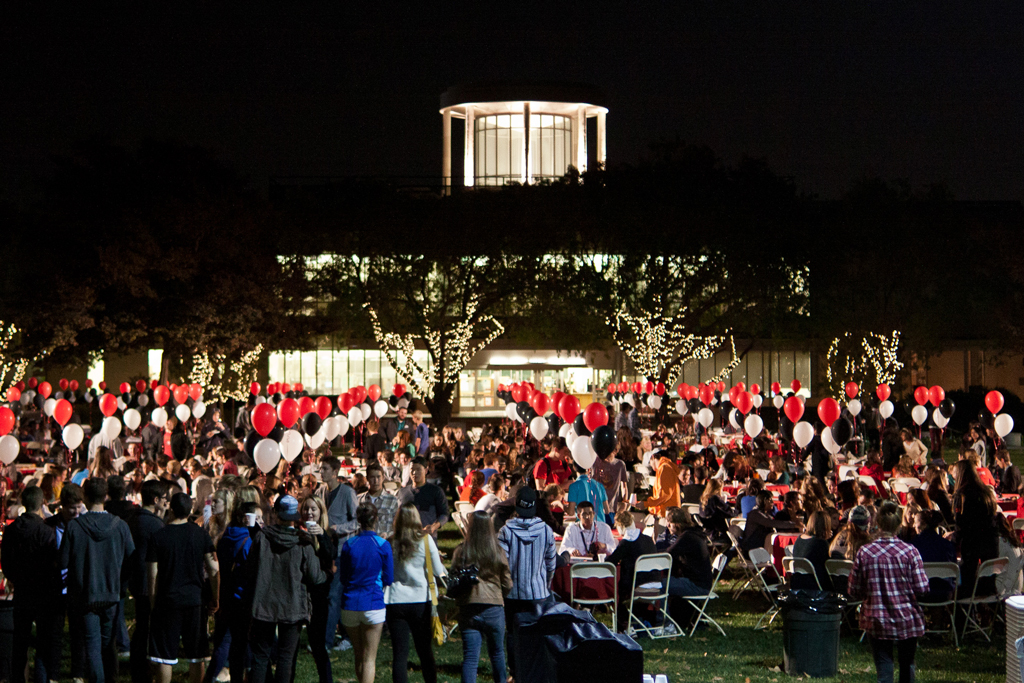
x=825 y=91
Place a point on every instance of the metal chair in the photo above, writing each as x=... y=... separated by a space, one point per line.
x=460 y=522
x=761 y=559
x=746 y=566
x=800 y=565
x=970 y=605
x=657 y=562
x=465 y=507
x=595 y=570
x=391 y=486
x=842 y=568
x=1018 y=523
x=944 y=570
x=700 y=602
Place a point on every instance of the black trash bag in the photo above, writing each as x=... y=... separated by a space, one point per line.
x=818 y=602
x=558 y=644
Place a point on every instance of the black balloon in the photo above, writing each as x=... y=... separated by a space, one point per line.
x=947 y=408
x=694 y=405
x=786 y=428
x=579 y=427
x=603 y=441
x=251 y=439
x=986 y=418
x=394 y=401
x=277 y=398
x=842 y=431
x=38 y=400
x=554 y=424
x=522 y=409
x=311 y=423
x=530 y=414
x=277 y=433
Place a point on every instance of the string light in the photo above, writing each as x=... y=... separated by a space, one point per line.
x=236 y=376
x=450 y=350
x=660 y=345
x=880 y=353
x=12 y=367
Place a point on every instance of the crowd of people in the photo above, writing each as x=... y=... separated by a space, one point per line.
x=343 y=541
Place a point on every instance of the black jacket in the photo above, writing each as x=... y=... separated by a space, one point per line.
x=142 y=525
x=95 y=548
x=29 y=558
x=281 y=569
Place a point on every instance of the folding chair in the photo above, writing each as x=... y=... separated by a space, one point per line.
x=693 y=509
x=800 y=565
x=944 y=570
x=761 y=559
x=746 y=566
x=595 y=570
x=460 y=522
x=847 y=472
x=842 y=568
x=465 y=507
x=970 y=605
x=740 y=522
x=656 y=562
x=1018 y=523
x=718 y=566
x=391 y=486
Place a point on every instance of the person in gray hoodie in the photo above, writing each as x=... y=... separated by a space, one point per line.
x=93 y=549
x=529 y=544
x=281 y=567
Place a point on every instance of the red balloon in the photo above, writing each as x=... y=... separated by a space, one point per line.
x=517 y=392
x=755 y=389
x=744 y=401
x=611 y=388
x=196 y=392
x=345 y=403
x=691 y=392
x=776 y=388
x=181 y=393
x=682 y=389
x=45 y=389
x=373 y=391
x=851 y=389
x=63 y=384
x=883 y=392
x=323 y=407
x=124 y=388
x=936 y=395
x=595 y=415
x=271 y=388
x=793 y=408
x=637 y=388
x=73 y=385
x=255 y=388
x=795 y=385
x=298 y=386
x=33 y=382
x=88 y=384
x=994 y=402
x=707 y=394
x=623 y=387
x=108 y=404
x=659 y=389
x=13 y=396
x=556 y=398
x=62 y=411
x=921 y=395
x=720 y=386
x=153 y=384
x=288 y=412
x=21 y=385
x=6 y=420
x=569 y=407
x=285 y=387
x=828 y=411
x=541 y=403
x=264 y=418
x=648 y=387
x=742 y=386
x=161 y=394
x=360 y=394
x=306 y=406
x=140 y=385
x=734 y=392
x=172 y=386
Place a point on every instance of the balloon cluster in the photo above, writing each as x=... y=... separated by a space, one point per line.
x=649 y=393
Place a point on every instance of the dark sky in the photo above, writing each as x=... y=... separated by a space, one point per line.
x=825 y=91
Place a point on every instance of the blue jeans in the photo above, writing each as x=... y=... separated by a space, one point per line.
x=476 y=622
x=100 y=654
x=334 y=608
x=884 y=665
x=124 y=643
x=680 y=585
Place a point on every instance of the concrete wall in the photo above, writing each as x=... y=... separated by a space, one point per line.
x=125 y=368
x=962 y=368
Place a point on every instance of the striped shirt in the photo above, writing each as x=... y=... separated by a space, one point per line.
x=530 y=547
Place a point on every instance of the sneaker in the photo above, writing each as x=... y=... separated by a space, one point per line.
x=342 y=646
x=224 y=676
x=124 y=655
x=669 y=630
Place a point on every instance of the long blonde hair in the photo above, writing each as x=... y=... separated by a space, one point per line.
x=408 y=532
x=713 y=488
x=219 y=523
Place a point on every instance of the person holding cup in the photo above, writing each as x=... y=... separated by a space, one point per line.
x=231 y=626
x=314 y=511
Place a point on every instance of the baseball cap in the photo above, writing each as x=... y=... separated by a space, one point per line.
x=526 y=503
x=859 y=517
x=287 y=509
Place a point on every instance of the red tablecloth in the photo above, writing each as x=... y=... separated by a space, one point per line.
x=1008 y=502
x=779 y=544
x=587 y=589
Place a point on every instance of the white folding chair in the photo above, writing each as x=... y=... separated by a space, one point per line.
x=746 y=566
x=842 y=568
x=391 y=486
x=700 y=602
x=465 y=507
x=693 y=509
x=595 y=570
x=970 y=605
x=800 y=565
x=460 y=522
x=868 y=481
x=656 y=562
x=740 y=522
x=761 y=559
x=1018 y=523
x=943 y=570
x=847 y=472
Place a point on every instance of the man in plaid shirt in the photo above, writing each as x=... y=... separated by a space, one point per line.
x=386 y=504
x=888 y=575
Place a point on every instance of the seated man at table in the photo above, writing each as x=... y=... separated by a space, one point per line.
x=760 y=523
x=1006 y=474
x=588 y=536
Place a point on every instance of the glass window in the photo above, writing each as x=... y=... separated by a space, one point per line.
x=292 y=368
x=308 y=371
x=803 y=369
x=324 y=372
x=579 y=380
x=691 y=374
x=95 y=372
x=356 y=371
x=341 y=383
x=786 y=368
x=155 y=359
x=499 y=147
x=276 y=366
x=372 y=363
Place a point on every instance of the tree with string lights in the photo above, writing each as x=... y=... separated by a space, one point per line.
x=869 y=360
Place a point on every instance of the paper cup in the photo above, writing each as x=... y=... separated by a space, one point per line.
x=250 y=519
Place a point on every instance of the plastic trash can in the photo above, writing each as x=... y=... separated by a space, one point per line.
x=810 y=634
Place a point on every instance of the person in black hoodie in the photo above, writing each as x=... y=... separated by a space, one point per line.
x=71 y=506
x=29 y=558
x=143 y=523
x=94 y=549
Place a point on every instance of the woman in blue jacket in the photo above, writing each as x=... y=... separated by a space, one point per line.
x=366 y=567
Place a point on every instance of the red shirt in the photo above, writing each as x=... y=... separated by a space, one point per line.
x=551 y=471
x=887 y=574
x=986 y=476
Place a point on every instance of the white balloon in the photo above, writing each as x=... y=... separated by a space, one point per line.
x=403 y=403
x=291 y=444
x=736 y=418
x=628 y=398
x=681 y=407
x=380 y=408
x=9 y=448
x=366 y=411
x=159 y=416
x=199 y=409
x=705 y=417
x=343 y=425
x=582 y=452
x=510 y=411
x=261 y=399
x=121 y=405
x=267 y=454
x=539 y=427
x=73 y=435
x=654 y=401
x=355 y=416
x=25 y=398
x=132 y=419
x=564 y=430
x=182 y=412
x=885 y=409
x=803 y=432
x=143 y=400
x=570 y=439
x=1003 y=424
x=316 y=440
x=753 y=425
x=778 y=401
x=854 y=406
x=111 y=427
x=919 y=414
x=758 y=400
x=714 y=401
x=332 y=428
x=828 y=442
x=48 y=406
x=88 y=397
x=939 y=419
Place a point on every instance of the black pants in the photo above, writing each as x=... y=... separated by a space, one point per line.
x=413 y=619
x=905 y=651
x=47 y=659
x=77 y=637
x=316 y=634
x=512 y=608
x=261 y=639
x=138 y=658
